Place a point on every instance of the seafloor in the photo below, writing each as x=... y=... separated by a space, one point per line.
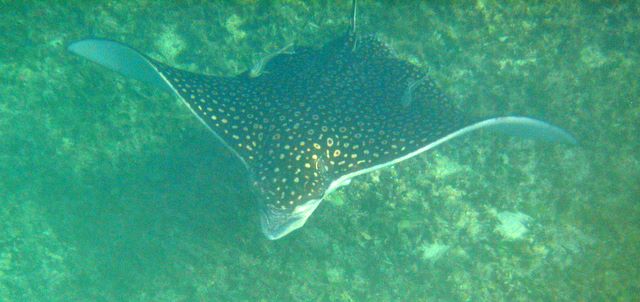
x=112 y=191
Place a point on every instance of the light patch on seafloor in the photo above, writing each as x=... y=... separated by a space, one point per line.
x=592 y=57
x=445 y=166
x=336 y=198
x=433 y=251
x=170 y=44
x=233 y=24
x=513 y=225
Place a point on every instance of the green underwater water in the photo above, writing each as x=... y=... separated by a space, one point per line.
x=112 y=191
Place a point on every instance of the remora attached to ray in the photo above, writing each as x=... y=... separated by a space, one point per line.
x=312 y=119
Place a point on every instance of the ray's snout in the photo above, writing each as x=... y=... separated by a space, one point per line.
x=277 y=223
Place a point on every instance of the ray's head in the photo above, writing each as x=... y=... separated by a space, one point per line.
x=276 y=222
x=289 y=187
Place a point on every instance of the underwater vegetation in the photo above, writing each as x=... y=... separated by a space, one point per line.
x=110 y=190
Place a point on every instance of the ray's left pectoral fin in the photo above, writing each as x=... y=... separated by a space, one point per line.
x=526 y=127
x=120 y=58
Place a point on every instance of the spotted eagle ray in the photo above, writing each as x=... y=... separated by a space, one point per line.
x=307 y=120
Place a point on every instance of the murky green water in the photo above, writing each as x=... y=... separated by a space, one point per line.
x=112 y=191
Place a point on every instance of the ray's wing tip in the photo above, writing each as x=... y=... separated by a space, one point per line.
x=120 y=58
x=567 y=138
x=75 y=45
x=89 y=47
x=531 y=128
x=72 y=47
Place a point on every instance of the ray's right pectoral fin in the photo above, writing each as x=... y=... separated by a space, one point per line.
x=121 y=58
